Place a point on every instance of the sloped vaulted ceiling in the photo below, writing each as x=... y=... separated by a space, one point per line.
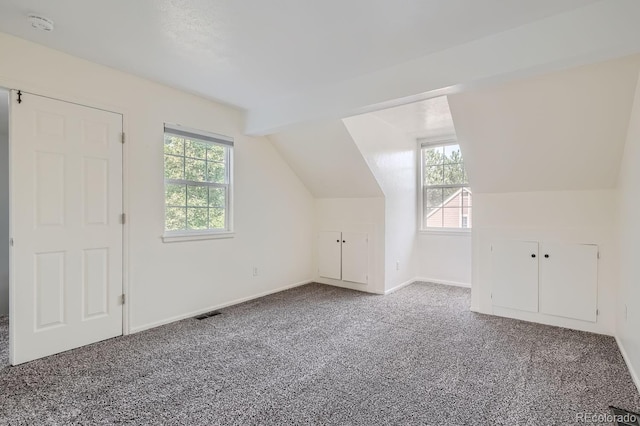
x=327 y=160
x=560 y=131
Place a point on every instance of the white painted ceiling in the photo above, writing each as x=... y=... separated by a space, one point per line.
x=253 y=53
x=561 y=131
x=428 y=119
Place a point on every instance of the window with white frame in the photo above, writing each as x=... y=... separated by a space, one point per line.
x=446 y=197
x=197 y=182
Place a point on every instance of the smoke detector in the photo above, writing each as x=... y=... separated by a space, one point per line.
x=40 y=22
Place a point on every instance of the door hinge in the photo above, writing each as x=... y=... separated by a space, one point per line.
x=11 y=242
x=597 y=312
x=598 y=255
x=123 y=218
x=123 y=299
x=123 y=138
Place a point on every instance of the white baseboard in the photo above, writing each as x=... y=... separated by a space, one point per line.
x=213 y=308
x=632 y=371
x=443 y=282
x=399 y=286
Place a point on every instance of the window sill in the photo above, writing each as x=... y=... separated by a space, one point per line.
x=176 y=238
x=447 y=231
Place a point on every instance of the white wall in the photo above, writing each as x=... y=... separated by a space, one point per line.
x=355 y=215
x=273 y=209
x=444 y=258
x=4 y=203
x=391 y=156
x=554 y=216
x=628 y=303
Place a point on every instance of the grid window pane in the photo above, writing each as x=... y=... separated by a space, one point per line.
x=448 y=196
x=195 y=170
x=197 y=196
x=434 y=219
x=452 y=154
x=216 y=153
x=197 y=217
x=217 y=197
x=216 y=172
x=175 y=195
x=173 y=145
x=467 y=198
x=454 y=174
x=434 y=175
x=433 y=156
x=217 y=218
x=433 y=198
x=195 y=149
x=173 y=167
x=176 y=218
x=446 y=203
x=451 y=217
x=197 y=183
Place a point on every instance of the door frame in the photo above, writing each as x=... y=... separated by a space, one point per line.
x=69 y=97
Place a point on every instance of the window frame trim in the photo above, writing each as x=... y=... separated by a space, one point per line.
x=226 y=142
x=423 y=143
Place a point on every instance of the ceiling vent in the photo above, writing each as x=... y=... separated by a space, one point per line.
x=40 y=22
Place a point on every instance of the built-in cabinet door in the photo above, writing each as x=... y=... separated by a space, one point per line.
x=330 y=254
x=515 y=275
x=355 y=257
x=568 y=280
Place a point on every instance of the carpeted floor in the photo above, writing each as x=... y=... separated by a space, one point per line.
x=323 y=355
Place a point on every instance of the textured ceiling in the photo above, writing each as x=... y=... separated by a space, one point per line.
x=252 y=52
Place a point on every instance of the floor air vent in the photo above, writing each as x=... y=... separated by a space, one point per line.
x=624 y=417
x=208 y=315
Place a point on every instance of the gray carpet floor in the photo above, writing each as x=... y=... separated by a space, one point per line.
x=323 y=355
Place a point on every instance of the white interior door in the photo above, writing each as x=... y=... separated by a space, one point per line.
x=330 y=254
x=355 y=255
x=515 y=275
x=66 y=202
x=569 y=280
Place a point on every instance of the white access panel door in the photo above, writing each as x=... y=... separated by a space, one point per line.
x=515 y=275
x=569 y=280
x=330 y=254
x=355 y=256
x=66 y=202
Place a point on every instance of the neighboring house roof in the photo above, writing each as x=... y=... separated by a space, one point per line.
x=448 y=200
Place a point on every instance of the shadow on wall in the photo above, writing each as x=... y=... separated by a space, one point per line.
x=4 y=202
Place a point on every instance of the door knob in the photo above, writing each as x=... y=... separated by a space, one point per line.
x=337 y=241
x=533 y=255
x=343 y=241
x=546 y=255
